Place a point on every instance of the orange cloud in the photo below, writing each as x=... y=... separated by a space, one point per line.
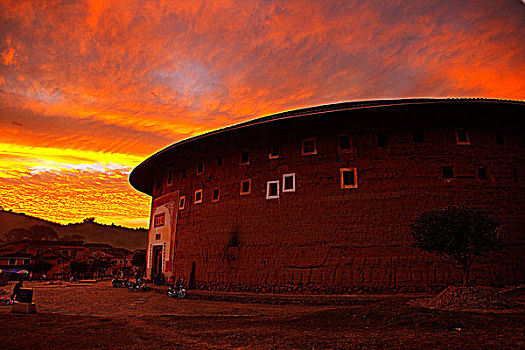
x=124 y=79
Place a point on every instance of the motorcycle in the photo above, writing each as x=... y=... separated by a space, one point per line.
x=118 y=283
x=177 y=290
x=140 y=285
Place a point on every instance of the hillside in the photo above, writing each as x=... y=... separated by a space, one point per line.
x=91 y=232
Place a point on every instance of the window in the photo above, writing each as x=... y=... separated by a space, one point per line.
x=348 y=177
x=200 y=168
x=183 y=174
x=158 y=221
x=448 y=172
x=12 y=262
x=382 y=139
x=74 y=254
x=289 y=182
x=272 y=189
x=274 y=152
x=198 y=196
x=345 y=144
x=94 y=255
x=157 y=237
x=246 y=187
x=170 y=176
x=103 y=254
x=182 y=201
x=65 y=252
x=159 y=186
x=515 y=174
x=121 y=261
x=418 y=136
x=219 y=161
x=216 y=193
x=308 y=146
x=245 y=158
x=482 y=173
x=462 y=137
x=90 y=260
x=59 y=262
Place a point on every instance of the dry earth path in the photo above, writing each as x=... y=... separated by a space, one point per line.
x=102 y=317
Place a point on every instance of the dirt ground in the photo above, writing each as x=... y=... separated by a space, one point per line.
x=102 y=317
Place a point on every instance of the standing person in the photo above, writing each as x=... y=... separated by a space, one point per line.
x=16 y=290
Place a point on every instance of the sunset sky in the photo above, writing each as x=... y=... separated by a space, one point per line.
x=89 y=89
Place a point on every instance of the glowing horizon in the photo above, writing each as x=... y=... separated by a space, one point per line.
x=89 y=89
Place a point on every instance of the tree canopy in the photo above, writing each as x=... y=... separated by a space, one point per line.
x=458 y=234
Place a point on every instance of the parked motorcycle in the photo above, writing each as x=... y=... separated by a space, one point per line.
x=118 y=283
x=140 y=285
x=177 y=291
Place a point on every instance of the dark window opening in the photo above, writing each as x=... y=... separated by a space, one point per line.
x=274 y=151
x=462 y=137
x=500 y=139
x=245 y=157
x=198 y=196
x=183 y=174
x=200 y=168
x=448 y=172
x=273 y=189
x=382 y=139
x=215 y=194
x=59 y=262
x=170 y=176
x=182 y=201
x=309 y=146
x=515 y=174
x=348 y=178
x=418 y=136
x=288 y=183
x=345 y=143
x=157 y=236
x=245 y=187
x=12 y=262
x=482 y=173
x=219 y=161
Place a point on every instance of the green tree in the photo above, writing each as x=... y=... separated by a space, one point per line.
x=458 y=234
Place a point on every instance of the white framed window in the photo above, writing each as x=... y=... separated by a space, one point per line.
x=246 y=187
x=94 y=255
x=182 y=202
x=103 y=254
x=462 y=137
x=198 y=196
x=216 y=195
x=308 y=146
x=348 y=177
x=289 y=182
x=272 y=189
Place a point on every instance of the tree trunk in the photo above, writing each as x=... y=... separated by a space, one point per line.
x=466 y=276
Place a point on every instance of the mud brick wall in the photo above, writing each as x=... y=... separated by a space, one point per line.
x=325 y=238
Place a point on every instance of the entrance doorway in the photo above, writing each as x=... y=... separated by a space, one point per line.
x=157 y=261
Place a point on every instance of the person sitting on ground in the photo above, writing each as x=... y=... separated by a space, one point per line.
x=16 y=290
